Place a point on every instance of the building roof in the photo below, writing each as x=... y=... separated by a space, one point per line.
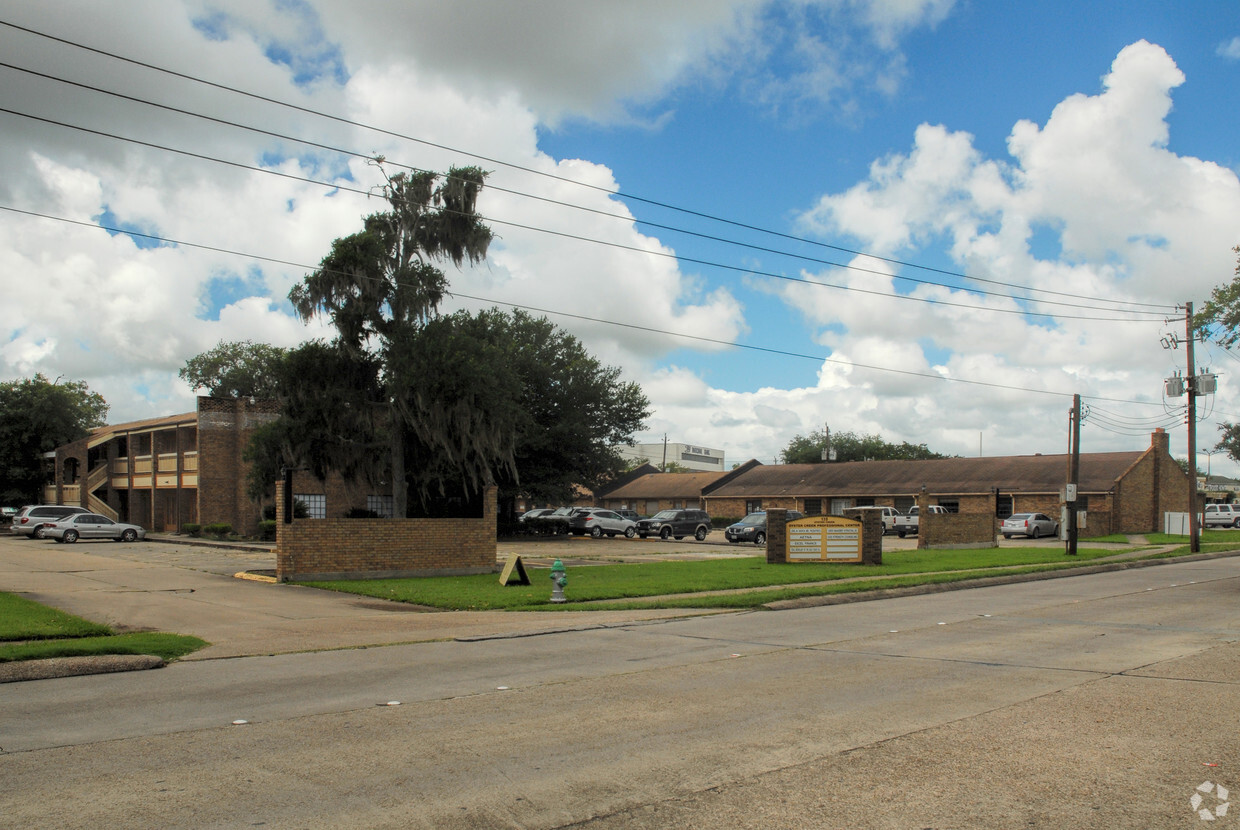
x=947 y=476
x=100 y=434
x=665 y=486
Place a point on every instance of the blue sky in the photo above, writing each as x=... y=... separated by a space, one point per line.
x=1086 y=149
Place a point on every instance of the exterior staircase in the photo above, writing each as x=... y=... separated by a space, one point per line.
x=96 y=479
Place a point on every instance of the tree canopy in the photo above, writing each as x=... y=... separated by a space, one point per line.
x=1219 y=318
x=379 y=287
x=849 y=446
x=243 y=369
x=487 y=398
x=37 y=416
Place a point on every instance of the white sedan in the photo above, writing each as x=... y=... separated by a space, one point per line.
x=92 y=526
x=1032 y=525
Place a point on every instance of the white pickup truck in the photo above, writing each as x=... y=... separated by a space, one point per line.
x=907 y=523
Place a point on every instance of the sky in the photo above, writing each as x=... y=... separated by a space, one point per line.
x=931 y=220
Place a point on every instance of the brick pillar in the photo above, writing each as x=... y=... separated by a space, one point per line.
x=923 y=507
x=777 y=536
x=871 y=534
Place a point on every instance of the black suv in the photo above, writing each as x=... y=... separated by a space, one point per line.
x=31 y=520
x=677 y=523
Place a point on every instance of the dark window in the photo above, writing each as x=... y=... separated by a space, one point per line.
x=952 y=505
x=316 y=504
x=752 y=506
x=863 y=502
x=1003 y=507
x=813 y=507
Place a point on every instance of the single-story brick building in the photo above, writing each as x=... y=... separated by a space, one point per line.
x=1118 y=492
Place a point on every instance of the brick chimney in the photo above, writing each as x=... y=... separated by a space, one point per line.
x=1160 y=440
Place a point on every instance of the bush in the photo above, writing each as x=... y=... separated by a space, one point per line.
x=192 y=529
x=300 y=511
x=360 y=513
x=267 y=530
x=217 y=529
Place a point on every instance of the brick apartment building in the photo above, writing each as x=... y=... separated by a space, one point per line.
x=165 y=472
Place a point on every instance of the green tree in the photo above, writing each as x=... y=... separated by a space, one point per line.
x=498 y=398
x=849 y=446
x=243 y=369
x=36 y=416
x=381 y=285
x=1219 y=318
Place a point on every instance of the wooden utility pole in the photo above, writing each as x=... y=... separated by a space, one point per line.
x=1074 y=473
x=1194 y=536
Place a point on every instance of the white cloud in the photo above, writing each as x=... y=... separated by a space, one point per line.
x=1230 y=49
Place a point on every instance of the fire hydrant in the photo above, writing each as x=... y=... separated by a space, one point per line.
x=558 y=580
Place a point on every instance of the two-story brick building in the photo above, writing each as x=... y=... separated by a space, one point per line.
x=165 y=472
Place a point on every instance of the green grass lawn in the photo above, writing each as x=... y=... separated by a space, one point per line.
x=30 y=631
x=629 y=585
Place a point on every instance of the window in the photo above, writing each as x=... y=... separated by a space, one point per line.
x=952 y=505
x=1003 y=507
x=381 y=506
x=752 y=506
x=903 y=503
x=813 y=507
x=838 y=506
x=863 y=502
x=316 y=504
x=1082 y=502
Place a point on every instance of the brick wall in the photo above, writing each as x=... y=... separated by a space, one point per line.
x=319 y=549
x=956 y=530
x=224 y=429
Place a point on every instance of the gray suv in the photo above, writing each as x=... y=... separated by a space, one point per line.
x=31 y=520
x=678 y=523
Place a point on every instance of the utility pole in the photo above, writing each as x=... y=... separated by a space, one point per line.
x=1074 y=473
x=1195 y=384
x=1194 y=536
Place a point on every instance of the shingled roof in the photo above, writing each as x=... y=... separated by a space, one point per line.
x=956 y=476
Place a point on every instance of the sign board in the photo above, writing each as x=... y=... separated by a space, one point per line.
x=824 y=539
x=514 y=562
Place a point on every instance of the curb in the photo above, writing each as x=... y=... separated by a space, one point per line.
x=983 y=582
x=73 y=666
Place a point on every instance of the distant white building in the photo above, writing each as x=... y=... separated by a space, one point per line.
x=688 y=456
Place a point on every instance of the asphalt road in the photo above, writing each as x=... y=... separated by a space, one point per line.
x=1092 y=701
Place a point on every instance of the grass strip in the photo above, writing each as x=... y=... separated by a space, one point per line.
x=167 y=646
x=32 y=631
x=24 y=619
x=660 y=579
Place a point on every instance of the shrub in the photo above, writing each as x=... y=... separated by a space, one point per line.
x=217 y=529
x=267 y=530
x=192 y=529
x=359 y=513
x=300 y=511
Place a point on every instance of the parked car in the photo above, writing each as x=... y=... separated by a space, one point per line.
x=92 y=526
x=678 y=523
x=631 y=515
x=598 y=521
x=32 y=519
x=1032 y=525
x=910 y=522
x=887 y=515
x=752 y=528
x=535 y=513
x=1221 y=515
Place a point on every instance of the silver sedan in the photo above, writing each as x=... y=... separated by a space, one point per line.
x=93 y=526
x=1032 y=525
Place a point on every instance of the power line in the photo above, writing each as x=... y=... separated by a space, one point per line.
x=533 y=171
x=630 y=326
x=616 y=245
